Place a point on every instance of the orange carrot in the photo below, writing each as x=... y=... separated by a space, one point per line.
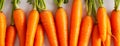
x=3 y=24
x=20 y=22
x=75 y=22
x=86 y=25
x=96 y=41
x=39 y=36
x=102 y=21
x=115 y=23
x=2 y=28
x=10 y=36
x=48 y=24
x=32 y=23
x=61 y=24
x=108 y=36
x=85 y=32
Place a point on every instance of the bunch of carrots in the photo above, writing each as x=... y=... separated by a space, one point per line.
x=96 y=25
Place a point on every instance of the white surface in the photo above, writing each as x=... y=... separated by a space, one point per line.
x=109 y=4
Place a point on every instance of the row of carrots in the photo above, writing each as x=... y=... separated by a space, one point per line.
x=96 y=24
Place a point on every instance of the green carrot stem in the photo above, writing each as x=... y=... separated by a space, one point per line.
x=100 y=3
x=60 y=2
x=1 y=4
x=41 y=5
x=89 y=7
x=94 y=12
x=117 y=3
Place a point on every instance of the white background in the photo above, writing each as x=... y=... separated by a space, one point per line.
x=109 y=4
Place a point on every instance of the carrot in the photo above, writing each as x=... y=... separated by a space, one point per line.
x=2 y=25
x=102 y=21
x=48 y=24
x=86 y=26
x=20 y=21
x=10 y=36
x=96 y=41
x=61 y=24
x=76 y=16
x=115 y=23
x=32 y=24
x=108 y=37
x=39 y=36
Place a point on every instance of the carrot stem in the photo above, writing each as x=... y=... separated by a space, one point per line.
x=60 y=2
x=117 y=3
x=34 y=3
x=100 y=3
x=94 y=12
x=41 y=5
x=1 y=4
x=89 y=6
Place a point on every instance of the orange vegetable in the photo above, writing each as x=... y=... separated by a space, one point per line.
x=20 y=23
x=39 y=36
x=10 y=36
x=76 y=16
x=115 y=23
x=61 y=26
x=2 y=28
x=96 y=41
x=32 y=23
x=49 y=26
x=85 y=32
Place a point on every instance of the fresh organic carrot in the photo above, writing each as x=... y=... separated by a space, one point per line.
x=96 y=41
x=86 y=26
x=39 y=36
x=102 y=21
x=20 y=22
x=115 y=23
x=32 y=24
x=10 y=36
x=61 y=24
x=3 y=25
x=48 y=24
x=108 y=36
x=76 y=16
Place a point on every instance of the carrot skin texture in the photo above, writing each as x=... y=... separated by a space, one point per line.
x=86 y=30
x=10 y=36
x=32 y=24
x=39 y=36
x=115 y=24
x=20 y=23
x=2 y=29
x=61 y=27
x=76 y=16
x=49 y=27
x=96 y=41
x=102 y=23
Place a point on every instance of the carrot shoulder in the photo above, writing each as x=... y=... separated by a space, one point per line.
x=20 y=24
x=62 y=27
x=102 y=23
x=2 y=29
x=49 y=26
x=32 y=23
x=76 y=16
